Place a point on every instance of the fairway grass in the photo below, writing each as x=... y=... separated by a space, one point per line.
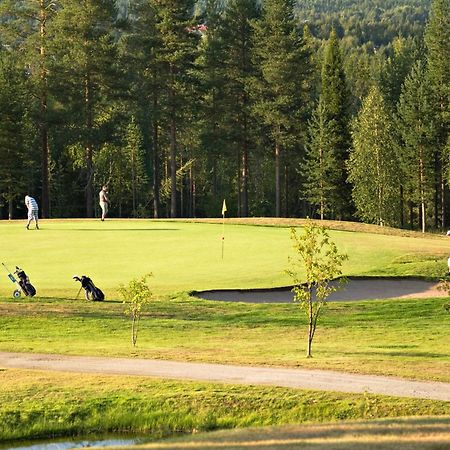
x=187 y=256
x=38 y=404
x=404 y=338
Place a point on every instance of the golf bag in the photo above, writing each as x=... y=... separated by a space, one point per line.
x=24 y=283
x=91 y=291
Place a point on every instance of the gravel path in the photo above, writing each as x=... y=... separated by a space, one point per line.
x=295 y=378
x=355 y=289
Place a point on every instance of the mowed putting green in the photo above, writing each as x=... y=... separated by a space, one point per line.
x=185 y=256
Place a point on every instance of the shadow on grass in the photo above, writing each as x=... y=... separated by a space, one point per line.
x=107 y=230
x=407 y=434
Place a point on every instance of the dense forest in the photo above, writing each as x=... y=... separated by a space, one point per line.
x=319 y=108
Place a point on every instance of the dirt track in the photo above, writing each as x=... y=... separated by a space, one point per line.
x=295 y=378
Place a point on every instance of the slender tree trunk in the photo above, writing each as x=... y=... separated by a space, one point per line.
x=239 y=181
x=402 y=218
x=10 y=208
x=286 y=191
x=173 y=148
x=88 y=147
x=310 y=325
x=277 y=181
x=422 y=195
x=443 y=218
x=173 y=168
x=437 y=190
x=156 y=199
x=133 y=180
x=45 y=195
x=244 y=178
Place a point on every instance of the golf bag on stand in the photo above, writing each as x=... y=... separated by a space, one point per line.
x=22 y=282
x=91 y=291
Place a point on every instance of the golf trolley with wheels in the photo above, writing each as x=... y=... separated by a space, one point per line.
x=22 y=283
x=91 y=291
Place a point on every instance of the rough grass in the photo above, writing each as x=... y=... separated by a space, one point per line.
x=405 y=434
x=406 y=338
x=37 y=404
x=187 y=256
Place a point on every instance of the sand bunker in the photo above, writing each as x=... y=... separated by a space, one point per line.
x=355 y=289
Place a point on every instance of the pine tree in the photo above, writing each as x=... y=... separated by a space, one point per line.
x=135 y=156
x=334 y=98
x=239 y=70
x=13 y=157
x=416 y=127
x=373 y=164
x=282 y=61
x=25 y=30
x=82 y=36
x=320 y=167
x=138 y=49
x=437 y=41
x=175 y=55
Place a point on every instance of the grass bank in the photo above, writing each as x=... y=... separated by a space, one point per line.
x=427 y=433
x=38 y=404
x=187 y=256
x=405 y=338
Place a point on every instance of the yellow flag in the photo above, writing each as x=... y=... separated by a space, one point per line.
x=224 y=208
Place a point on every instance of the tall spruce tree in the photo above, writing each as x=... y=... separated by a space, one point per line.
x=335 y=100
x=24 y=29
x=83 y=41
x=417 y=132
x=13 y=155
x=437 y=41
x=176 y=54
x=373 y=164
x=239 y=70
x=321 y=167
x=282 y=61
x=138 y=50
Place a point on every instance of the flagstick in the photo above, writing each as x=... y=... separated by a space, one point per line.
x=223 y=232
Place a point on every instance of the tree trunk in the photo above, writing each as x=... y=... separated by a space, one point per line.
x=45 y=195
x=156 y=199
x=88 y=148
x=133 y=180
x=277 y=181
x=173 y=169
x=422 y=195
x=244 y=178
x=310 y=326
x=239 y=181
x=10 y=208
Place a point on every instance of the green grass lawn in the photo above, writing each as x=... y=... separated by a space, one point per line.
x=187 y=256
x=41 y=404
x=407 y=338
x=424 y=433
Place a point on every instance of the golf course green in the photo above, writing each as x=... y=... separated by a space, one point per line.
x=403 y=338
x=186 y=256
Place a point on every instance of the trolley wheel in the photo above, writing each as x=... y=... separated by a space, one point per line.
x=16 y=293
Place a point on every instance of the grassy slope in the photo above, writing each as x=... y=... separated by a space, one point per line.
x=402 y=434
x=403 y=338
x=38 y=404
x=187 y=256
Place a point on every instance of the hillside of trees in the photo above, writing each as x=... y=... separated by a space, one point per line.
x=335 y=110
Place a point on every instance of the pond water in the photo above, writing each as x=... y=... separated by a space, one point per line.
x=67 y=443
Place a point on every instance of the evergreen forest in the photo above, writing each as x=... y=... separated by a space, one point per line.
x=320 y=108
